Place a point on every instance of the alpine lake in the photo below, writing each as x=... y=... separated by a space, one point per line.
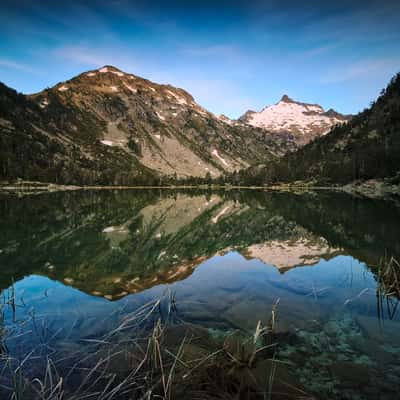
x=310 y=280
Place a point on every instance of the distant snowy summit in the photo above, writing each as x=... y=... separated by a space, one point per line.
x=302 y=120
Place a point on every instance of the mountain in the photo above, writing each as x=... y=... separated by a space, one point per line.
x=303 y=121
x=106 y=126
x=365 y=148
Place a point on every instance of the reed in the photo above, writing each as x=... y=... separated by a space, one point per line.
x=141 y=358
x=388 y=288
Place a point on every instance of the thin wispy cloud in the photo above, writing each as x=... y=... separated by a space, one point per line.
x=364 y=69
x=365 y=22
x=319 y=51
x=82 y=55
x=18 y=66
x=119 y=56
x=213 y=50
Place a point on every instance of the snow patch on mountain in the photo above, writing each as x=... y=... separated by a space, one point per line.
x=132 y=89
x=107 y=142
x=44 y=103
x=225 y=119
x=118 y=73
x=299 y=119
x=109 y=229
x=220 y=214
x=63 y=88
x=180 y=99
x=112 y=71
x=216 y=154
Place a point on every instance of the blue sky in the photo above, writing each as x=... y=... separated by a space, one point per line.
x=230 y=55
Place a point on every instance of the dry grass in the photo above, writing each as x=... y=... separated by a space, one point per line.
x=151 y=354
x=388 y=289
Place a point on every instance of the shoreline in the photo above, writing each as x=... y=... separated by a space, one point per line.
x=368 y=189
x=50 y=187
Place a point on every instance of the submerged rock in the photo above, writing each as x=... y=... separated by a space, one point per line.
x=385 y=331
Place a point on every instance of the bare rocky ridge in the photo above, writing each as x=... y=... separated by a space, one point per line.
x=127 y=125
x=109 y=127
x=303 y=121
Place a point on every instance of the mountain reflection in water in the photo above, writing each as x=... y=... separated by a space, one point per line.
x=86 y=258
x=114 y=243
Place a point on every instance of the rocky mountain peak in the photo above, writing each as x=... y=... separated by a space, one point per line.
x=110 y=126
x=286 y=99
x=304 y=121
x=110 y=68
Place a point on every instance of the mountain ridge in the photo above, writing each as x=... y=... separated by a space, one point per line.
x=108 y=127
x=305 y=121
x=136 y=130
x=365 y=148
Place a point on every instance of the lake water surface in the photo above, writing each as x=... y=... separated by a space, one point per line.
x=81 y=261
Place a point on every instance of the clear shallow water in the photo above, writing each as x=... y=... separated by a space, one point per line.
x=82 y=261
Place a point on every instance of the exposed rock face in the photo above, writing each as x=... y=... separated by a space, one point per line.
x=107 y=126
x=302 y=120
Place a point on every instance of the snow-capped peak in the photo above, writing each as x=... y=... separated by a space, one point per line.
x=303 y=120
